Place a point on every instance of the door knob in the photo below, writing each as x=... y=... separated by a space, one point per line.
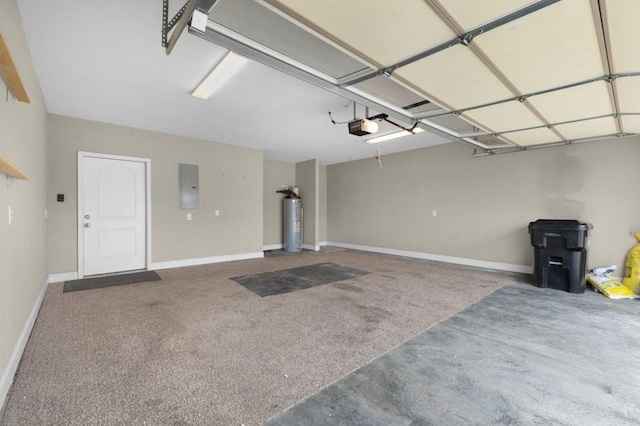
x=87 y=225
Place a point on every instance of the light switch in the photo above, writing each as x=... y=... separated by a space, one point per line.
x=10 y=215
x=434 y=213
x=188 y=216
x=217 y=212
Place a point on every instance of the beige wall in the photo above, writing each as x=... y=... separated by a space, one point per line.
x=23 y=142
x=485 y=204
x=230 y=181
x=307 y=179
x=276 y=174
x=322 y=208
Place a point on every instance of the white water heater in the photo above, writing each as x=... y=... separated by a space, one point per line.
x=292 y=224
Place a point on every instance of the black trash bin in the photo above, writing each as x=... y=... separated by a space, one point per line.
x=560 y=254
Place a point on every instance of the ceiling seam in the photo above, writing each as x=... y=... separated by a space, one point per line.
x=448 y=20
x=598 y=18
x=599 y=13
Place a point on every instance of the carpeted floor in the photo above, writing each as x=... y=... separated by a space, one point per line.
x=198 y=348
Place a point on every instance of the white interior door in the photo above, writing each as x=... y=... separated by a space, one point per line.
x=113 y=215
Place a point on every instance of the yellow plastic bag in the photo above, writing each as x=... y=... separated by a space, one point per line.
x=611 y=287
x=632 y=268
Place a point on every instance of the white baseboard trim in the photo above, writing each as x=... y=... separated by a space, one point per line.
x=68 y=276
x=509 y=267
x=62 y=277
x=205 y=260
x=304 y=246
x=12 y=366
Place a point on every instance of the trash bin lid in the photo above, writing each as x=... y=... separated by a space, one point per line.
x=559 y=225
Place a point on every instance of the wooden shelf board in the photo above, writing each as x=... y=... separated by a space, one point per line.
x=9 y=169
x=10 y=73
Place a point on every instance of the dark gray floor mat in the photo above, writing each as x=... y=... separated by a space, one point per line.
x=522 y=355
x=286 y=280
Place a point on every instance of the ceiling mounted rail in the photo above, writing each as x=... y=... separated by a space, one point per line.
x=431 y=82
x=231 y=40
x=613 y=115
x=344 y=86
x=511 y=150
x=205 y=6
x=522 y=98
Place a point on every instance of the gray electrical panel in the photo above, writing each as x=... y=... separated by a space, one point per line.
x=188 y=184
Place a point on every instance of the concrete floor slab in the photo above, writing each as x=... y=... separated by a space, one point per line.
x=522 y=355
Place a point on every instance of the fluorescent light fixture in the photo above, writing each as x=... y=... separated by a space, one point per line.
x=394 y=135
x=222 y=73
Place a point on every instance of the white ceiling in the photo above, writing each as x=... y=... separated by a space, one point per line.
x=103 y=61
x=510 y=76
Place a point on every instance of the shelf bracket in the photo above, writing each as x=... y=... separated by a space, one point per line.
x=180 y=19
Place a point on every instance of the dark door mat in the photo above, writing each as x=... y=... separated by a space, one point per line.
x=286 y=280
x=114 y=280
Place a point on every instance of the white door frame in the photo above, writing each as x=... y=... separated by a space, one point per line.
x=147 y=162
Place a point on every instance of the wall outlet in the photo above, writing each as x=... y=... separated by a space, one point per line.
x=188 y=216
x=216 y=212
